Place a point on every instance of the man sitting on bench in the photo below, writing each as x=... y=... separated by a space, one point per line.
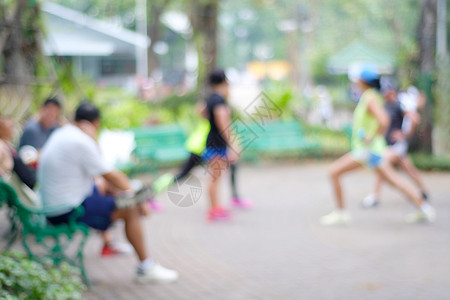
x=69 y=162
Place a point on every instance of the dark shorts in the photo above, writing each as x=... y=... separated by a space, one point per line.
x=98 y=211
x=211 y=153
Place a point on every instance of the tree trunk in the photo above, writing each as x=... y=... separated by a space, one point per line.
x=426 y=39
x=155 y=10
x=204 y=22
x=426 y=36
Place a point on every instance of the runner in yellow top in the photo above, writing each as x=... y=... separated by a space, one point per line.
x=370 y=121
x=366 y=127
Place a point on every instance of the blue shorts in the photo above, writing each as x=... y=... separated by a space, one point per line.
x=98 y=211
x=367 y=158
x=211 y=153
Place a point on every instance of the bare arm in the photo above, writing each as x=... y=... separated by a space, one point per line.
x=380 y=114
x=414 y=118
x=222 y=117
x=118 y=180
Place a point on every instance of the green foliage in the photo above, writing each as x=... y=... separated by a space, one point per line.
x=22 y=278
x=179 y=109
x=429 y=162
x=69 y=88
x=332 y=142
x=284 y=97
x=121 y=110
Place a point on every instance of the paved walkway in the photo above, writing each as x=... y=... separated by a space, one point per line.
x=279 y=251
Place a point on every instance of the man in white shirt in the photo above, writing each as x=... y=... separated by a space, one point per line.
x=69 y=162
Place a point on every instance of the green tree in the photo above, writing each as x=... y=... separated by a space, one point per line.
x=20 y=38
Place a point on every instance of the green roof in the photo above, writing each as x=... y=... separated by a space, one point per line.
x=358 y=53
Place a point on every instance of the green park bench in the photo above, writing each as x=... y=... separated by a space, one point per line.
x=280 y=138
x=29 y=221
x=157 y=147
x=164 y=145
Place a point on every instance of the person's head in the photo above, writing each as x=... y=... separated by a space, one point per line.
x=369 y=78
x=218 y=82
x=87 y=112
x=6 y=128
x=49 y=112
x=389 y=91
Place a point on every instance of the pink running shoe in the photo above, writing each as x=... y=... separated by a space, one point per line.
x=155 y=206
x=218 y=214
x=240 y=203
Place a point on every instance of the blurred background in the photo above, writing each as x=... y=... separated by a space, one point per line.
x=144 y=62
x=155 y=54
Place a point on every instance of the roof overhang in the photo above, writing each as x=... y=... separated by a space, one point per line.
x=71 y=33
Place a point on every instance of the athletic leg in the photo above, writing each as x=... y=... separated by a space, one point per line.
x=216 y=167
x=193 y=161
x=133 y=230
x=388 y=173
x=373 y=199
x=233 y=180
x=407 y=165
x=341 y=166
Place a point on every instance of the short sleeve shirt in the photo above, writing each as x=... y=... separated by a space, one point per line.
x=68 y=164
x=362 y=119
x=215 y=139
x=35 y=135
x=396 y=114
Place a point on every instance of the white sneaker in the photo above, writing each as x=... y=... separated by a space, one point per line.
x=156 y=273
x=369 y=201
x=335 y=218
x=420 y=216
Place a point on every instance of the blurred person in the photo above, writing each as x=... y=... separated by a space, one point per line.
x=219 y=149
x=10 y=160
x=404 y=120
x=324 y=104
x=196 y=144
x=69 y=163
x=370 y=122
x=6 y=158
x=34 y=136
x=37 y=131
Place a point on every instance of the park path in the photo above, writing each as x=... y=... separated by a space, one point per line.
x=279 y=251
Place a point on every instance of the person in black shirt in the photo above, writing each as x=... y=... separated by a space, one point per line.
x=218 y=153
x=397 y=139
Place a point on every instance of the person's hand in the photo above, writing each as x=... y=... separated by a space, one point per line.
x=88 y=128
x=413 y=116
x=361 y=133
x=397 y=135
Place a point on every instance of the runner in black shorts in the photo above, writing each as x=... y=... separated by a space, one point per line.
x=218 y=141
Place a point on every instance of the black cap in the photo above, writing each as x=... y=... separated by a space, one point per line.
x=217 y=76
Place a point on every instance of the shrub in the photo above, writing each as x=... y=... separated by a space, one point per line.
x=431 y=162
x=22 y=278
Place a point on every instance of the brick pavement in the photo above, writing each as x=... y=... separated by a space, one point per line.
x=279 y=251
